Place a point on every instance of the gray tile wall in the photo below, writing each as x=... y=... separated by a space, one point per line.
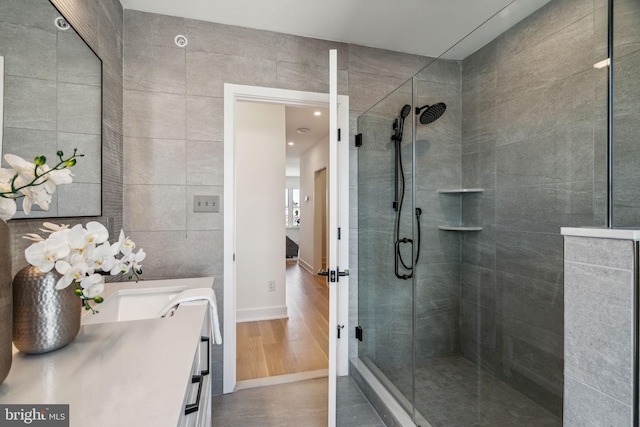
x=599 y=331
x=173 y=100
x=528 y=130
x=100 y=25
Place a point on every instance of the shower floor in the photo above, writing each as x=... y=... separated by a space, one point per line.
x=452 y=392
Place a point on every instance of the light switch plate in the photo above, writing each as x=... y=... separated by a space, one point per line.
x=206 y=203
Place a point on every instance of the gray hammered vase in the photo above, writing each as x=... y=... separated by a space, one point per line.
x=44 y=318
x=5 y=301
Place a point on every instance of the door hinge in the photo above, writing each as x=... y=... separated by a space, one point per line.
x=339 y=233
x=339 y=134
x=359 y=140
x=359 y=333
x=339 y=328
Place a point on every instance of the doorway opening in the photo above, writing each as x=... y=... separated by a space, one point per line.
x=234 y=96
x=282 y=309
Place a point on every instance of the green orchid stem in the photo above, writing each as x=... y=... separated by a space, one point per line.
x=85 y=300
x=61 y=165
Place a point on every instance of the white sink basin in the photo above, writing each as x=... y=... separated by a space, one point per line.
x=132 y=304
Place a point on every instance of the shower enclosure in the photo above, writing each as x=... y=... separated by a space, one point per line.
x=471 y=333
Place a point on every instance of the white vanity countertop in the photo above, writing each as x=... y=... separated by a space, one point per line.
x=115 y=374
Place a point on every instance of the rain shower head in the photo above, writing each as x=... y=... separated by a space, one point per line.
x=431 y=113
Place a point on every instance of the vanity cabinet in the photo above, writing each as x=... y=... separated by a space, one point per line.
x=197 y=400
x=124 y=374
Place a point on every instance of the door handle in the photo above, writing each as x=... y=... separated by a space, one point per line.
x=324 y=273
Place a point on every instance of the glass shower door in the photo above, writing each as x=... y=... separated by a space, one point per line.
x=385 y=235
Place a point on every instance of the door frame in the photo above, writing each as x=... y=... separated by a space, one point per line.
x=232 y=94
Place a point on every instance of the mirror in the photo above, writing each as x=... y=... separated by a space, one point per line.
x=52 y=101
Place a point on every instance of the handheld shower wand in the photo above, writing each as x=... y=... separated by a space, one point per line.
x=430 y=113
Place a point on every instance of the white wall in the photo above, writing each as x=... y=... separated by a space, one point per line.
x=293 y=232
x=314 y=159
x=260 y=228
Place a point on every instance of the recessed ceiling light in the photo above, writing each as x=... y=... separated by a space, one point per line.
x=303 y=130
x=317 y=113
x=290 y=143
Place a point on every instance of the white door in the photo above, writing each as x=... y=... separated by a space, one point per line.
x=338 y=262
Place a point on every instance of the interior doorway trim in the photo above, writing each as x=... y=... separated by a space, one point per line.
x=232 y=94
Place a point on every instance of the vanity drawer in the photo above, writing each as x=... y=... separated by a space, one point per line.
x=197 y=401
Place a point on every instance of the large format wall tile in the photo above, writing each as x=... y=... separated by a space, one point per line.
x=208 y=72
x=150 y=29
x=564 y=156
x=535 y=255
x=27 y=103
x=155 y=161
x=525 y=71
x=231 y=40
x=541 y=25
x=155 y=68
x=154 y=115
x=204 y=118
x=155 y=207
x=547 y=110
x=599 y=328
x=586 y=406
x=38 y=53
x=311 y=52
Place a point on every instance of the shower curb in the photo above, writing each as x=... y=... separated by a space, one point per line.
x=387 y=407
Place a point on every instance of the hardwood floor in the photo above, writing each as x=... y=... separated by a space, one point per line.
x=286 y=346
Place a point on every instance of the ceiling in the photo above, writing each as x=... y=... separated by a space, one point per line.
x=297 y=117
x=423 y=27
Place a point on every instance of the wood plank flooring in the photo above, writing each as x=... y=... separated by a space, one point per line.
x=286 y=346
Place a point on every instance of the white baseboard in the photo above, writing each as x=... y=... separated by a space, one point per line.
x=304 y=264
x=257 y=314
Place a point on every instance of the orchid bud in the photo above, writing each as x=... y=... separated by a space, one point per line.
x=70 y=162
x=40 y=160
x=59 y=153
x=98 y=299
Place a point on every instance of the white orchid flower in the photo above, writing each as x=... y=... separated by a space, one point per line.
x=124 y=245
x=6 y=175
x=102 y=258
x=50 y=227
x=96 y=233
x=92 y=286
x=137 y=259
x=7 y=208
x=70 y=273
x=55 y=177
x=33 y=237
x=46 y=253
x=120 y=268
x=20 y=165
x=40 y=196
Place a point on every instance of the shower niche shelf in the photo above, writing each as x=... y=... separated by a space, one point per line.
x=461 y=228
x=459 y=191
